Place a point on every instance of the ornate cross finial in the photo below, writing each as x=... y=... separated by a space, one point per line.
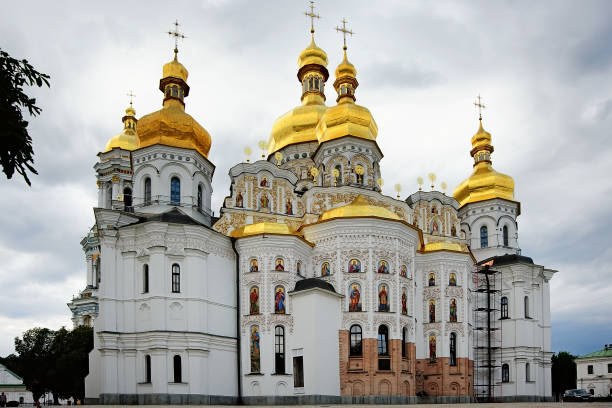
x=480 y=107
x=312 y=16
x=177 y=35
x=131 y=95
x=344 y=32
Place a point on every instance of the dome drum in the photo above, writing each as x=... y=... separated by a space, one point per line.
x=178 y=93
x=313 y=67
x=475 y=150
x=347 y=91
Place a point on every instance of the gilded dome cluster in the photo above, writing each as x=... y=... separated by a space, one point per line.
x=127 y=139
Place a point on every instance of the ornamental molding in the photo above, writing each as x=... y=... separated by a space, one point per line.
x=454 y=327
x=454 y=292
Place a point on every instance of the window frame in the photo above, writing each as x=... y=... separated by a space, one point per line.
x=145 y=278
x=526 y=306
x=177 y=369
x=452 y=360
x=279 y=350
x=505 y=373
x=484 y=236
x=175 y=191
x=590 y=369
x=383 y=341
x=404 y=342
x=527 y=372
x=505 y=238
x=176 y=278
x=504 y=308
x=147 y=191
x=355 y=350
x=147 y=369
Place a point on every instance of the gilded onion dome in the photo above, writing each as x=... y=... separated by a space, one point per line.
x=171 y=126
x=346 y=118
x=127 y=139
x=298 y=125
x=359 y=208
x=484 y=183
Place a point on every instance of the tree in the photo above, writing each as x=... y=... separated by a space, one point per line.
x=15 y=142
x=563 y=372
x=71 y=350
x=34 y=359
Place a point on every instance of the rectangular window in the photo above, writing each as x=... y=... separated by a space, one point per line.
x=148 y=369
x=609 y=369
x=384 y=364
x=279 y=350
x=590 y=369
x=298 y=372
x=176 y=279
x=145 y=278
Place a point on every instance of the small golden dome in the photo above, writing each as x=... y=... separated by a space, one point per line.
x=485 y=183
x=312 y=55
x=127 y=139
x=359 y=208
x=175 y=69
x=296 y=126
x=345 y=69
x=275 y=228
x=445 y=246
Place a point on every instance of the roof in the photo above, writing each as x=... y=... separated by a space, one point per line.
x=173 y=216
x=601 y=353
x=12 y=373
x=506 y=260
x=359 y=207
x=311 y=283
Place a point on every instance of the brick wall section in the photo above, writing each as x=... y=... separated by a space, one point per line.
x=438 y=378
x=359 y=376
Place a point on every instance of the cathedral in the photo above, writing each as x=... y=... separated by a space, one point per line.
x=310 y=286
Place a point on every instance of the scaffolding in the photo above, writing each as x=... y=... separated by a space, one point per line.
x=486 y=334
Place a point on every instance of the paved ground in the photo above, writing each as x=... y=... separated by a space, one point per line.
x=482 y=405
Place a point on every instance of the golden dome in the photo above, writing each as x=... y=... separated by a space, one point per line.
x=444 y=246
x=127 y=139
x=358 y=208
x=312 y=55
x=485 y=183
x=345 y=69
x=275 y=228
x=171 y=126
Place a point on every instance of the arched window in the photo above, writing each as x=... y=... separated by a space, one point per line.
x=404 y=342
x=453 y=349
x=484 y=236
x=527 y=372
x=175 y=191
x=109 y=196
x=176 y=278
x=383 y=341
x=175 y=91
x=526 y=307
x=316 y=83
x=147 y=369
x=127 y=198
x=279 y=350
x=339 y=179
x=505 y=373
x=147 y=191
x=356 y=336
x=432 y=279
x=97 y=274
x=178 y=371
x=310 y=84
x=145 y=278
x=200 y=197
x=452 y=280
x=504 y=307
x=505 y=235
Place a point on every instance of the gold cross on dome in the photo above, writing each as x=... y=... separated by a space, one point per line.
x=480 y=106
x=177 y=35
x=131 y=95
x=312 y=16
x=344 y=31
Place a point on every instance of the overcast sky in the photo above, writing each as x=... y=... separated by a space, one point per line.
x=544 y=70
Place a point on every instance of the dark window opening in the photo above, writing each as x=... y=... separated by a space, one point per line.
x=145 y=278
x=199 y=197
x=505 y=235
x=504 y=307
x=590 y=369
x=147 y=191
x=356 y=341
x=176 y=278
x=526 y=307
x=175 y=191
x=178 y=372
x=505 y=373
x=148 y=369
x=279 y=350
x=127 y=198
x=404 y=342
x=453 y=349
x=298 y=372
x=484 y=236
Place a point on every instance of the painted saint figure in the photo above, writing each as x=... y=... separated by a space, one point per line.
x=383 y=267
x=432 y=347
x=404 y=302
x=298 y=268
x=453 y=231
x=432 y=311
x=355 y=305
x=254 y=301
x=354 y=266
x=264 y=202
x=434 y=227
x=452 y=280
x=325 y=271
x=255 y=366
x=383 y=299
x=239 y=200
x=453 y=310
x=280 y=266
x=279 y=300
x=253 y=267
x=432 y=279
x=289 y=207
x=263 y=182
x=404 y=271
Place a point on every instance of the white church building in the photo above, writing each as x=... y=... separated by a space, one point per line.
x=311 y=286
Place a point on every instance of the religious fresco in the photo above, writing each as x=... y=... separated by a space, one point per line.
x=383 y=298
x=298 y=268
x=254 y=300
x=355 y=298
x=432 y=311
x=434 y=210
x=432 y=347
x=264 y=202
x=354 y=266
x=453 y=231
x=404 y=302
x=452 y=310
x=279 y=300
x=279 y=265
x=404 y=271
x=432 y=279
x=253 y=266
x=452 y=280
x=434 y=227
x=289 y=207
x=264 y=182
x=239 y=200
x=255 y=349
x=383 y=267
x=325 y=270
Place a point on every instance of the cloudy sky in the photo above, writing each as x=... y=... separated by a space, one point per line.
x=544 y=70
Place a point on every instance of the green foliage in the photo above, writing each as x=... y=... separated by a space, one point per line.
x=563 y=372
x=15 y=142
x=55 y=361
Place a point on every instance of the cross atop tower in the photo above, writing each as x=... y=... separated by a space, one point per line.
x=344 y=32
x=480 y=106
x=131 y=95
x=312 y=16
x=177 y=35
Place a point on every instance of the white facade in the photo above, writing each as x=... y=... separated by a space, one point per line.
x=13 y=388
x=594 y=372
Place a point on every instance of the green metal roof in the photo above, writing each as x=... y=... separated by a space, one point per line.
x=10 y=372
x=600 y=353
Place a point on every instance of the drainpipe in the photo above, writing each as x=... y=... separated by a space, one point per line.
x=238 y=345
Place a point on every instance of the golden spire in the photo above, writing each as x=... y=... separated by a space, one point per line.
x=344 y=32
x=346 y=81
x=177 y=35
x=312 y=16
x=131 y=95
